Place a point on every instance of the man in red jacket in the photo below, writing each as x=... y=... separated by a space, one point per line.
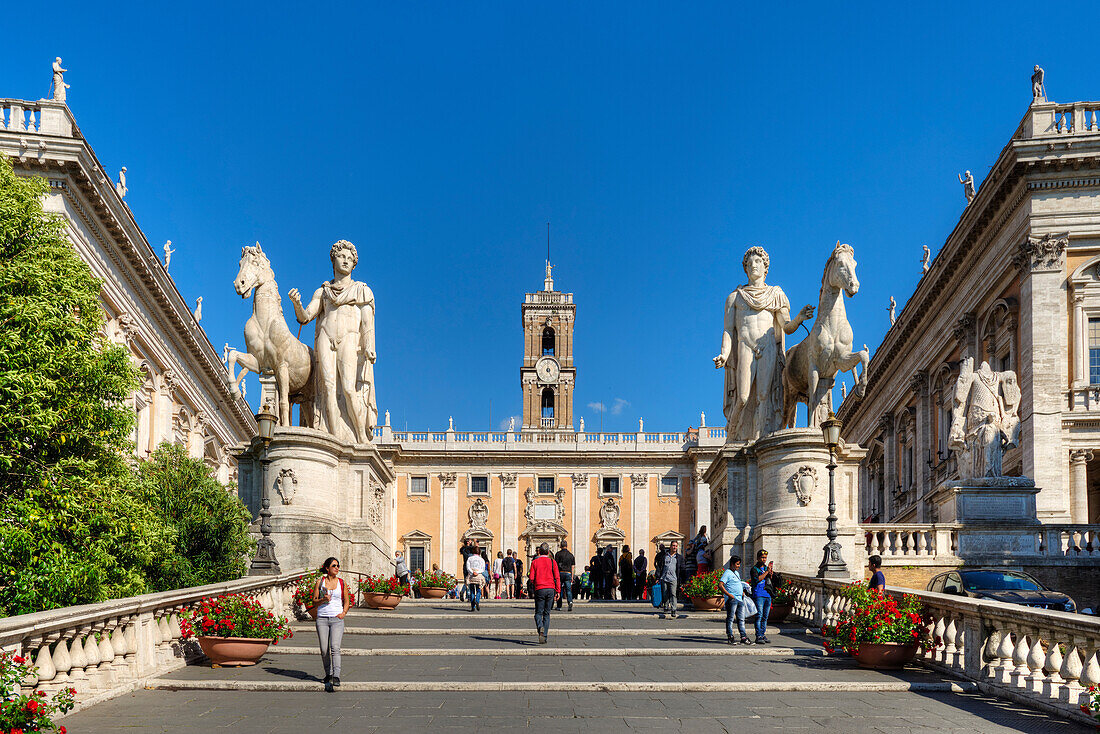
x=547 y=584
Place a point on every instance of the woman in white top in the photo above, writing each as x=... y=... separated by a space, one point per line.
x=475 y=577
x=498 y=574
x=332 y=599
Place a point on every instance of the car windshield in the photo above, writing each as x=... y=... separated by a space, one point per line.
x=997 y=581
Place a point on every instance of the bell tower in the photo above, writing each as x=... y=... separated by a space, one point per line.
x=547 y=376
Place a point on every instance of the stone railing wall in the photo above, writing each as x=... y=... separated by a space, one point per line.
x=911 y=541
x=105 y=649
x=549 y=440
x=1042 y=658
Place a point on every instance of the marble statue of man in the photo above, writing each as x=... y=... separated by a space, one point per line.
x=926 y=259
x=59 y=85
x=967 y=180
x=198 y=309
x=167 y=253
x=892 y=309
x=1038 y=90
x=225 y=354
x=343 y=348
x=120 y=187
x=757 y=319
x=984 y=419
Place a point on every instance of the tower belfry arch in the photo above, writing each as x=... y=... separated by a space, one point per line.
x=548 y=375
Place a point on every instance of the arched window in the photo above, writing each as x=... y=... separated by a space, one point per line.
x=547 y=403
x=548 y=341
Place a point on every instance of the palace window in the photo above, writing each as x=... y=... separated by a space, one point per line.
x=670 y=486
x=546 y=485
x=416 y=558
x=479 y=485
x=418 y=485
x=548 y=341
x=1094 y=351
x=610 y=485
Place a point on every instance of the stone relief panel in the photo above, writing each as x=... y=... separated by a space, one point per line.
x=609 y=515
x=479 y=515
x=718 y=507
x=376 y=503
x=286 y=484
x=804 y=483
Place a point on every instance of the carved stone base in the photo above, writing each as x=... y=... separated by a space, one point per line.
x=265 y=563
x=989 y=502
x=328 y=498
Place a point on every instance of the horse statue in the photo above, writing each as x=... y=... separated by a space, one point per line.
x=272 y=349
x=812 y=364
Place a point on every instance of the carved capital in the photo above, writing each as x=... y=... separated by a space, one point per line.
x=508 y=480
x=579 y=480
x=1080 y=456
x=918 y=383
x=886 y=423
x=638 y=481
x=964 y=328
x=447 y=479
x=1044 y=253
x=171 y=380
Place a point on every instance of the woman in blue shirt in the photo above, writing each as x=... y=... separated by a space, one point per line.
x=733 y=588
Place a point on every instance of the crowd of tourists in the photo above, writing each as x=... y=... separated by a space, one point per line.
x=553 y=581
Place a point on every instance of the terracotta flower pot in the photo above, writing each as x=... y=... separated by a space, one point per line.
x=233 y=650
x=779 y=612
x=707 y=604
x=381 y=601
x=433 y=592
x=885 y=655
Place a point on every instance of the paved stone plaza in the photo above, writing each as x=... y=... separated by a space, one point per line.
x=608 y=667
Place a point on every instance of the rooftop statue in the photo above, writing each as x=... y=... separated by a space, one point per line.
x=198 y=309
x=892 y=308
x=1038 y=90
x=757 y=319
x=271 y=348
x=984 y=420
x=343 y=348
x=812 y=364
x=168 y=254
x=120 y=187
x=926 y=259
x=967 y=181
x=59 y=85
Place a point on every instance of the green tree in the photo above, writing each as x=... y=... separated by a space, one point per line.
x=209 y=523
x=72 y=530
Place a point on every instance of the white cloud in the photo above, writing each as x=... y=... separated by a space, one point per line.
x=597 y=407
x=617 y=408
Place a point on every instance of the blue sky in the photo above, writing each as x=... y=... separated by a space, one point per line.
x=660 y=140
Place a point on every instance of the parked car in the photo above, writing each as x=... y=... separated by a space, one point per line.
x=997 y=584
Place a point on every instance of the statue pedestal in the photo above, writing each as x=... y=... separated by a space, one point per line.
x=774 y=494
x=995 y=517
x=328 y=498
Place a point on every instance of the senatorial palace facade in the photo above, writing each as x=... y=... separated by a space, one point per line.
x=1016 y=285
x=184 y=397
x=982 y=403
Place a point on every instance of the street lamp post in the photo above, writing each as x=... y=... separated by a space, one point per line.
x=265 y=563
x=832 y=563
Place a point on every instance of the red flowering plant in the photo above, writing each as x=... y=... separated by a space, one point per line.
x=784 y=592
x=303 y=592
x=874 y=617
x=233 y=615
x=1092 y=708
x=434 y=580
x=28 y=712
x=382 y=585
x=704 y=586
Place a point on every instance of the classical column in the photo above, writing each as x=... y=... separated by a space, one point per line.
x=1078 y=485
x=581 y=540
x=449 y=540
x=1080 y=342
x=1043 y=325
x=889 y=465
x=639 y=498
x=702 y=498
x=922 y=442
x=509 y=497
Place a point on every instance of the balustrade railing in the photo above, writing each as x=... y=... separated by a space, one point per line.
x=112 y=647
x=564 y=439
x=1040 y=657
x=1072 y=541
x=20 y=116
x=1083 y=398
x=909 y=540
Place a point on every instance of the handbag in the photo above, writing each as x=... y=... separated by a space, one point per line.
x=750 y=606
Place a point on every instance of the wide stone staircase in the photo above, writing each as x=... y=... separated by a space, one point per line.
x=608 y=667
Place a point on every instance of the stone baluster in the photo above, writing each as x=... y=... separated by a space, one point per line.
x=28 y=647
x=961 y=646
x=919 y=544
x=43 y=660
x=91 y=653
x=939 y=653
x=79 y=662
x=1004 y=664
x=1090 y=670
x=950 y=648
x=164 y=640
x=107 y=670
x=62 y=661
x=1053 y=687
x=1020 y=652
x=130 y=639
x=1070 y=672
x=1036 y=659
x=176 y=635
x=989 y=653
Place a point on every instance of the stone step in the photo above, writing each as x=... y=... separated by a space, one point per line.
x=883 y=685
x=549 y=650
x=529 y=630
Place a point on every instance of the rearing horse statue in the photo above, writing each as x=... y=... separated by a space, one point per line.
x=812 y=364
x=272 y=349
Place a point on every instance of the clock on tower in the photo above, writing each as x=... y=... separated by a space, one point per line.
x=548 y=375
